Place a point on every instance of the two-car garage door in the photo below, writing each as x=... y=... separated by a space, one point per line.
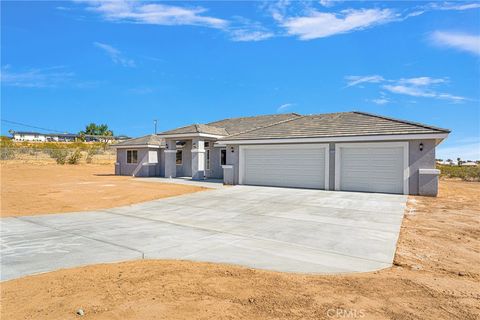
x=303 y=166
x=370 y=167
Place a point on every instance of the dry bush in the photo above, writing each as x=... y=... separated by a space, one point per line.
x=462 y=172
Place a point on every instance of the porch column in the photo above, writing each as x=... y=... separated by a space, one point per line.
x=198 y=159
x=170 y=159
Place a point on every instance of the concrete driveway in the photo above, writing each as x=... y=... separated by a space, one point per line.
x=281 y=229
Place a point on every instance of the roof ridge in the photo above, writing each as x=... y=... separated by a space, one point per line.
x=268 y=126
x=418 y=124
x=262 y=115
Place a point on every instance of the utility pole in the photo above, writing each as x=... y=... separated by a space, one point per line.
x=155 y=123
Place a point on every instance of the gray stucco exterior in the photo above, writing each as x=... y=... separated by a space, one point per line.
x=417 y=159
x=151 y=162
x=424 y=159
x=185 y=169
x=392 y=155
x=147 y=162
x=216 y=170
x=149 y=165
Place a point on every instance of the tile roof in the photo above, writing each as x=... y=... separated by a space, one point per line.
x=230 y=126
x=293 y=125
x=238 y=125
x=336 y=125
x=198 y=128
x=151 y=139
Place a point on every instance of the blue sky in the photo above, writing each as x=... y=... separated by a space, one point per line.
x=65 y=64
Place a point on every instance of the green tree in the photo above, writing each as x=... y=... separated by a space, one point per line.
x=96 y=130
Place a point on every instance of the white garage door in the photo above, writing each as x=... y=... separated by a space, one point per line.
x=300 y=166
x=371 y=168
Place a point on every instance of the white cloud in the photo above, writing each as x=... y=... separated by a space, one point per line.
x=421 y=91
x=154 y=13
x=250 y=35
x=36 y=78
x=115 y=54
x=451 y=97
x=460 y=41
x=422 y=81
x=324 y=24
x=356 y=80
x=247 y=30
x=284 y=107
x=458 y=6
x=329 y=3
x=380 y=101
x=411 y=91
x=415 y=87
x=469 y=151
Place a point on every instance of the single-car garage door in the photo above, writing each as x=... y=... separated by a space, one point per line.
x=303 y=166
x=371 y=167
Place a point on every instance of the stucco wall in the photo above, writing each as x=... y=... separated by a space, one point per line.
x=161 y=162
x=232 y=159
x=128 y=169
x=216 y=170
x=424 y=159
x=185 y=169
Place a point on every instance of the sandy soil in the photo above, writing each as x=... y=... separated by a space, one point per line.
x=436 y=276
x=29 y=189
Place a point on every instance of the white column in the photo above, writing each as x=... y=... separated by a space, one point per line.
x=170 y=159
x=198 y=159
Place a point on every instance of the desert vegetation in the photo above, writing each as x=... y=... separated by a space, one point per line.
x=58 y=152
x=471 y=173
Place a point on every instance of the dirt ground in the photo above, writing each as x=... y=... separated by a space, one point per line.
x=30 y=189
x=435 y=276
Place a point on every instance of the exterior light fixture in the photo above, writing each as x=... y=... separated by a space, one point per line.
x=421 y=146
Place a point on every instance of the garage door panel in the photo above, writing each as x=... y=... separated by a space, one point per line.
x=285 y=166
x=371 y=168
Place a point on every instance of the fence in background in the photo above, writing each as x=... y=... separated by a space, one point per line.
x=93 y=155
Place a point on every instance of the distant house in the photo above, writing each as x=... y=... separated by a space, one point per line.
x=62 y=137
x=469 y=164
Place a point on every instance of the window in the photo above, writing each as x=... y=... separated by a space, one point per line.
x=207 y=144
x=223 y=157
x=208 y=159
x=178 y=159
x=132 y=156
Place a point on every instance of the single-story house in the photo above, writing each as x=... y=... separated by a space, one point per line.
x=350 y=151
x=62 y=137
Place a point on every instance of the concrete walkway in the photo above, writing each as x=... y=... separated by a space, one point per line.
x=281 y=229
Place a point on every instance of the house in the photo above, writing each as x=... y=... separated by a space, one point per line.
x=62 y=137
x=469 y=164
x=350 y=151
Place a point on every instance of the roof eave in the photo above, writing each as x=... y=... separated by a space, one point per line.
x=190 y=135
x=379 y=137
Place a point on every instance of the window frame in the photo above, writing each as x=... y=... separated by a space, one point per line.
x=207 y=159
x=181 y=157
x=223 y=158
x=132 y=152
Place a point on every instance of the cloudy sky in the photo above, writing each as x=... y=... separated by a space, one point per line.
x=124 y=63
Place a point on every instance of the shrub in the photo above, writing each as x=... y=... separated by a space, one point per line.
x=90 y=153
x=75 y=157
x=7 y=154
x=60 y=155
x=461 y=172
